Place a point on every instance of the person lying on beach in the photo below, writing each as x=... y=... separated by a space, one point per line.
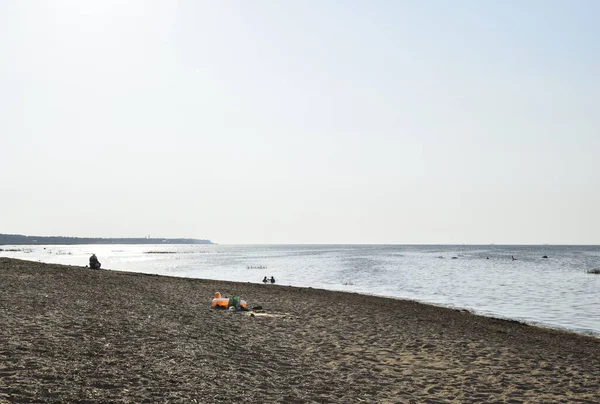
x=94 y=263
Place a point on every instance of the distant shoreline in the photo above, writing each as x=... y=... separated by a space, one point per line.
x=18 y=239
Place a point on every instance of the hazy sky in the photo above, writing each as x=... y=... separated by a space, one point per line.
x=302 y=121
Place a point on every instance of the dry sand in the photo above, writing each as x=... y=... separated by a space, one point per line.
x=71 y=334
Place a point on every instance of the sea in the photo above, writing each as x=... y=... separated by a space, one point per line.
x=503 y=281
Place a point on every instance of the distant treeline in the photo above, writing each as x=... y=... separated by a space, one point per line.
x=18 y=239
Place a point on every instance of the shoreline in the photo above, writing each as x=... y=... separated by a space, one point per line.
x=532 y=323
x=75 y=334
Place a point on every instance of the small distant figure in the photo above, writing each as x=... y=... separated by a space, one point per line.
x=265 y=280
x=513 y=258
x=272 y=279
x=487 y=258
x=94 y=263
x=545 y=256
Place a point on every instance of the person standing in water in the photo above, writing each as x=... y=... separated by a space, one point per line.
x=272 y=279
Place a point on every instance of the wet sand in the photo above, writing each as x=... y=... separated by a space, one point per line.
x=71 y=334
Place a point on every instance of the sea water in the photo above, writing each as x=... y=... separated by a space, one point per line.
x=556 y=292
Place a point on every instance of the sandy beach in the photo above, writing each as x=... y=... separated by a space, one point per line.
x=71 y=334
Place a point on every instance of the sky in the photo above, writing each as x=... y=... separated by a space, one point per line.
x=250 y=122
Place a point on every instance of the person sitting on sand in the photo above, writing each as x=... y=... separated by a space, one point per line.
x=236 y=303
x=272 y=279
x=94 y=263
x=265 y=280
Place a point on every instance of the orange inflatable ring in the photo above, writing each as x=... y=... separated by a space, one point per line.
x=223 y=302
